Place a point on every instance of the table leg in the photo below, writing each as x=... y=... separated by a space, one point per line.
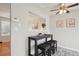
x=29 y=48
x=45 y=39
x=56 y=46
x=36 y=48
x=51 y=37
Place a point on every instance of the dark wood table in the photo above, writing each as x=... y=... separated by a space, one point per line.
x=36 y=38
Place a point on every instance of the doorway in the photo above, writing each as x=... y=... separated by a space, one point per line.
x=5 y=31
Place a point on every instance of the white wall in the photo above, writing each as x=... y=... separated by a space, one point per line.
x=66 y=37
x=20 y=29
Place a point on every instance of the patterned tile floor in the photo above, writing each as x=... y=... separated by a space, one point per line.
x=65 y=52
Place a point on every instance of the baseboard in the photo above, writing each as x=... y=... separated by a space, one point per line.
x=68 y=48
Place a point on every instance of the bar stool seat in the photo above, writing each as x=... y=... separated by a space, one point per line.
x=53 y=44
x=45 y=47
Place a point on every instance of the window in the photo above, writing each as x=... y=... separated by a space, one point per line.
x=5 y=28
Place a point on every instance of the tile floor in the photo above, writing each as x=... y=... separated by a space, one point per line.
x=65 y=52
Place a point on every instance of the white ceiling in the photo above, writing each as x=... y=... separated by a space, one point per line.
x=44 y=8
x=5 y=10
x=5 y=7
x=48 y=7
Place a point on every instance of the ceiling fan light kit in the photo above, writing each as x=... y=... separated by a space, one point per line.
x=63 y=8
x=62 y=11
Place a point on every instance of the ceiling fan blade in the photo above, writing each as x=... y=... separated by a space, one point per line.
x=54 y=10
x=73 y=5
x=57 y=13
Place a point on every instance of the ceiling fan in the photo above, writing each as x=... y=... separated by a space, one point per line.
x=63 y=8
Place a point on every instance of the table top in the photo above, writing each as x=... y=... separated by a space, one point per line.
x=37 y=37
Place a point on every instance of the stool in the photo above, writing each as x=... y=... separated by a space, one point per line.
x=53 y=44
x=45 y=47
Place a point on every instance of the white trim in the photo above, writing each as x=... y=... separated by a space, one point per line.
x=68 y=48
